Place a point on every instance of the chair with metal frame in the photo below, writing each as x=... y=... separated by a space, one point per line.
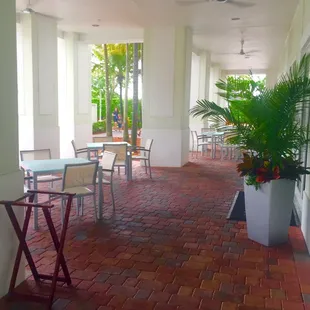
x=198 y=140
x=107 y=163
x=98 y=153
x=80 y=151
x=102 y=139
x=40 y=154
x=76 y=179
x=121 y=150
x=145 y=155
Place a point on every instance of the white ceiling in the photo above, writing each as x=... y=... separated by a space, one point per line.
x=263 y=26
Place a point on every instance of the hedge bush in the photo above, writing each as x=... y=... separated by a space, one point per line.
x=99 y=127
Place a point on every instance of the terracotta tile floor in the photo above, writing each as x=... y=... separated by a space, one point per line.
x=169 y=246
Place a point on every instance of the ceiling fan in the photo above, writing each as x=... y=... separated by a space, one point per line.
x=242 y=52
x=235 y=3
x=28 y=9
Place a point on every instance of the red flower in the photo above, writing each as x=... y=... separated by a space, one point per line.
x=261 y=170
x=260 y=179
x=276 y=172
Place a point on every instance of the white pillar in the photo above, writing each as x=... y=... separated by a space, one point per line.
x=271 y=77
x=204 y=79
x=39 y=110
x=215 y=76
x=195 y=123
x=11 y=178
x=204 y=75
x=166 y=93
x=200 y=87
x=76 y=119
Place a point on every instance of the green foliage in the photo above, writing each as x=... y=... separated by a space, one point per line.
x=116 y=77
x=237 y=91
x=99 y=127
x=240 y=88
x=265 y=123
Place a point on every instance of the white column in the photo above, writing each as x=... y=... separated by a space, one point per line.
x=76 y=111
x=11 y=178
x=166 y=93
x=204 y=79
x=195 y=123
x=204 y=75
x=271 y=77
x=39 y=110
x=215 y=76
x=200 y=86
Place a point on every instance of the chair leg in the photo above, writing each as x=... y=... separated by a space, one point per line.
x=62 y=211
x=118 y=169
x=95 y=208
x=77 y=208
x=82 y=205
x=197 y=152
x=150 y=168
x=145 y=166
x=112 y=195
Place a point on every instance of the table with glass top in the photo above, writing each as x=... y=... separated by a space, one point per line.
x=52 y=166
x=98 y=146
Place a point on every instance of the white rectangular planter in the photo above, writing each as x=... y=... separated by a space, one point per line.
x=269 y=210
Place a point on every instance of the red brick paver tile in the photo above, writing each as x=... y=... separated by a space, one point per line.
x=169 y=246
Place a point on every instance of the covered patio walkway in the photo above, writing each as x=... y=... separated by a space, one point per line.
x=169 y=246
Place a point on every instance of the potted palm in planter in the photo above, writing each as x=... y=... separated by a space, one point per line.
x=266 y=127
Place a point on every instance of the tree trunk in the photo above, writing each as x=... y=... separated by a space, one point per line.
x=107 y=93
x=125 y=116
x=135 y=99
x=121 y=106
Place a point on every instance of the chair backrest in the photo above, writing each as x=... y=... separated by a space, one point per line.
x=207 y=130
x=102 y=139
x=119 y=149
x=74 y=147
x=76 y=175
x=35 y=154
x=148 y=144
x=194 y=136
x=108 y=160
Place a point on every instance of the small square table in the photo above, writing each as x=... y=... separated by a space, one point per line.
x=51 y=166
x=97 y=146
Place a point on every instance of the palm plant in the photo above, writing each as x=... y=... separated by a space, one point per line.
x=267 y=125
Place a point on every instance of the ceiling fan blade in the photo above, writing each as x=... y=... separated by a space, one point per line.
x=188 y=3
x=240 y=4
x=253 y=51
x=222 y=54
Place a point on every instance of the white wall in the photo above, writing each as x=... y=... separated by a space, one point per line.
x=75 y=110
x=38 y=101
x=166 y=94
x=194 y=123
x=11 y=178
x=94 y=113
x=113 y=35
